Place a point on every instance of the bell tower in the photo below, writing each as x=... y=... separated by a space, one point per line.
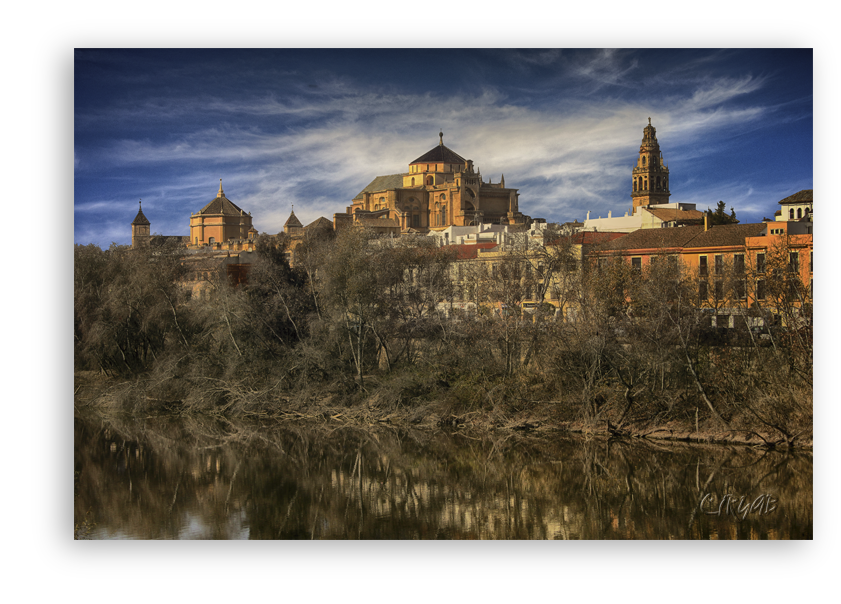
x=650 y=176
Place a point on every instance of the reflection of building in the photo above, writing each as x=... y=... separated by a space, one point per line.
x=220 y=221
x=441 y=189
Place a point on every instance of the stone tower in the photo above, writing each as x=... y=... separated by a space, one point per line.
x=650 y=184
x=140 y=229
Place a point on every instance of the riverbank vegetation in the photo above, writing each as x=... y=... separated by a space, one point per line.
x=360 y=331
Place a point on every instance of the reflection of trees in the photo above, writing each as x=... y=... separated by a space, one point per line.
x=199 y=479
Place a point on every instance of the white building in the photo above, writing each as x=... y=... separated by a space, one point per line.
x=647 y=217
x=501 y=234
x=795 y=207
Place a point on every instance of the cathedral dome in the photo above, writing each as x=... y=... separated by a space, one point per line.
x=440 y=155
x=221 y=205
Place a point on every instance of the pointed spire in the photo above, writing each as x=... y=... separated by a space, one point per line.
x=502 y=181
x=292 y=222
x=140 y=218
x=221 y=192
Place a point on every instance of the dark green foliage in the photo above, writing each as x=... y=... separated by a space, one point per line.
x=720 y=216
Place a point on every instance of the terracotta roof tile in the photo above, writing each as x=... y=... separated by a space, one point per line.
x=687 y=237
x=725 y=235
x=799 y=197
x=594 y=237
x=319 y=223
x=644 y=239
x=468 y=251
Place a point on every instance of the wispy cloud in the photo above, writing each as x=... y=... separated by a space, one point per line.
x=317 y=147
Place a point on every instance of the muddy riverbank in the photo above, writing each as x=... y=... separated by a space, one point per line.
x=379 y=406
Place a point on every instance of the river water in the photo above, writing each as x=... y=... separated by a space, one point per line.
x=202 y=479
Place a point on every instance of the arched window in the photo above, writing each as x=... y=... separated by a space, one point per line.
x=643 y=160
x=791 y=214
x=799 y=213
x=635 y=184
x=429 y=180
x=413 y=181
x=443 y=197
x=212 y=240
x=645 y=183
x=640 y=183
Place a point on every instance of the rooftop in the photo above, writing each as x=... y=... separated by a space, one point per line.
x=440 y=155
x=687 y=237
x=382 y=183
x=669 y=215
x=292 y=221
x=644 y=239
x=140 y=218
x=723 y=235
x=799 y=197
x=221 y=205
x=469 y=251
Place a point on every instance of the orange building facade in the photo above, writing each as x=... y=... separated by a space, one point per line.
x=220 y=222
x=736 y=268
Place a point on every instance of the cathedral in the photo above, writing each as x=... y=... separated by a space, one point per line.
x=441 y=189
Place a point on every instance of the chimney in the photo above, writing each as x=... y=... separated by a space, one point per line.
x=706 y=223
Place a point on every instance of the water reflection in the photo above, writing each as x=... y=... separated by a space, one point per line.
x=198 y=479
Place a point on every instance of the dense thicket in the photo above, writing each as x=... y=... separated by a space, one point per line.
x=364 y=325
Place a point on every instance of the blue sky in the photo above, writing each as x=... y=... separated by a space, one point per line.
x=313 y=127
